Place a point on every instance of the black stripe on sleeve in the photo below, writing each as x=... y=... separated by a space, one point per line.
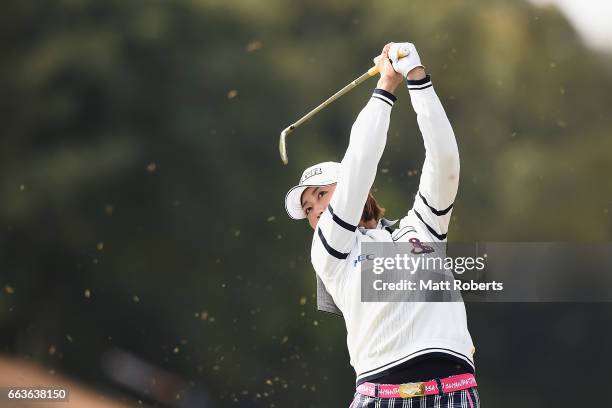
x=340 y=221
x=433 y=231
x=385 y=93
x=329 y=249
x=422 y=81
x=433 y=210
x=418 y=84
x=419 y=88
x=382 y=99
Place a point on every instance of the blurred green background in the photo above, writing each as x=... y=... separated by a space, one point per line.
x=142 y=194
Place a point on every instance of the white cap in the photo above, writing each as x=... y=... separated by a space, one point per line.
x=322 y=174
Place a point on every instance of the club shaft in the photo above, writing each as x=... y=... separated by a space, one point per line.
x=332 y=98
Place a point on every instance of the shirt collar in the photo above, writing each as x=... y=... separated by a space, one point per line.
x=383 y=223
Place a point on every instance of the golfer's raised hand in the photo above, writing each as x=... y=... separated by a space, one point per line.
x=389 y=79
x=408 y=64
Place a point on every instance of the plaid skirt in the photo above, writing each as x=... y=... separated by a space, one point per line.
x=459 y=399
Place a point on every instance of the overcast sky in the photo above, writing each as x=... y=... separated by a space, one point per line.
x=592 y=19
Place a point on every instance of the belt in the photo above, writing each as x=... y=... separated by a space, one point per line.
x=418 y=389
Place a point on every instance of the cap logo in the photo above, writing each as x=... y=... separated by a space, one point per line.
x=310 y=173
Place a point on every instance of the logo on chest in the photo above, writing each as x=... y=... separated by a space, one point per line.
x=419 y=248
x=363 y=257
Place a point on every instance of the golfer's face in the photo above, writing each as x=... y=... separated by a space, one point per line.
x=315 y=200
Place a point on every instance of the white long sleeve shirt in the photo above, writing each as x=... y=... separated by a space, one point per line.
x=381 y=335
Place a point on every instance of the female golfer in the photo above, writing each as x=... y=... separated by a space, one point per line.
x=405 y=354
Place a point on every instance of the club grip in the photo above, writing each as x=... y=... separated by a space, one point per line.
x=402 y=52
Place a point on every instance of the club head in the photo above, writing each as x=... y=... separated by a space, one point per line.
x=282 y=144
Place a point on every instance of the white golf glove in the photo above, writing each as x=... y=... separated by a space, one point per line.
x=405 y=64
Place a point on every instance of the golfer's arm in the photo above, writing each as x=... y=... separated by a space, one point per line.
x=440 y=173
x=366 y=146
x=337 y=225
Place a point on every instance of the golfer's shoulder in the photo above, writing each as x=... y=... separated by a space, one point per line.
x=326 y=244
x=328 y=256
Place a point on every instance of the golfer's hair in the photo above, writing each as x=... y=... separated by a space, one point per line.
x=372 y=210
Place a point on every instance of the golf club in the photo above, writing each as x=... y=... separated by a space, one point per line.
x=282 y=143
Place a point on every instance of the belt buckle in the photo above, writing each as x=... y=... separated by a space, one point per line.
x=410 y=390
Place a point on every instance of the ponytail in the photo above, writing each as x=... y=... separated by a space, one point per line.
x=372 y=210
